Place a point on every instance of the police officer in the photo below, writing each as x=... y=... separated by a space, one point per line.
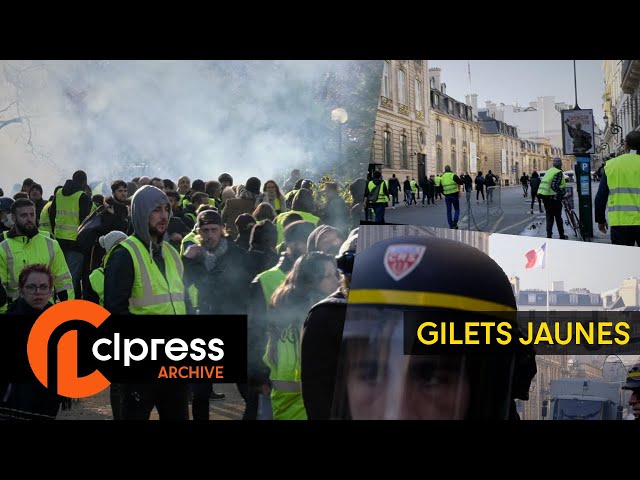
x=633 y=384
x=619 y=190
x=552 y=192
x=376 y=380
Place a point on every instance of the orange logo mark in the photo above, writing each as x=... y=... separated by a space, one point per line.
x=69 y=384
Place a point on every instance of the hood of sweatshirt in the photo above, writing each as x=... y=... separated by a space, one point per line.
x=144 y=201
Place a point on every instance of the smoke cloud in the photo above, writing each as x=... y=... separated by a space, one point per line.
x=120 y=119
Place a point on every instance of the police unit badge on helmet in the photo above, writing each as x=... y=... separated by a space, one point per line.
x=401 y=260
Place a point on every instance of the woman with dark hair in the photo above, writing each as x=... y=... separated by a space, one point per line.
x=313 y=277
x=535 y=184
x=31 y=401
x=273 y=196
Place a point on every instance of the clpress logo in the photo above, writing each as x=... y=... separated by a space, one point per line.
x=69 y=384
x=77 y=349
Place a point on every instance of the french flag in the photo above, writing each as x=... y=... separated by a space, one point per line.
x=536 y=258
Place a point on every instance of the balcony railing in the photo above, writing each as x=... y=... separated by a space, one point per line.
x=630 y=75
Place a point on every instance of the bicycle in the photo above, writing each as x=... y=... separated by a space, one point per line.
x=572 y=219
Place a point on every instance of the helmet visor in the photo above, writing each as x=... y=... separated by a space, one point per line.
x=376 y=380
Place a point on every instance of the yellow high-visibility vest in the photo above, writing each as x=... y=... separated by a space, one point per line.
x=67 y=216
x=152 y=293
x=623 y=180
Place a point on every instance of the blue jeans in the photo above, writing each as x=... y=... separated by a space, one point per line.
x=378 y=208
x=452 y=201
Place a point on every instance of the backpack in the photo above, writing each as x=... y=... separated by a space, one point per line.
x=373 y=194
x=87 y=231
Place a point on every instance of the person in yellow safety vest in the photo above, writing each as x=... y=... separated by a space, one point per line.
x=96 y=278
x=71 y=205
x=552 y=192
x=619 y=190
x=197 y=186
x=450 y=183
x=260 y=293
x=144 y=276
x=414 y=190
x=313 y=277
x=304 y=206
x=23 y=246
x=380 y=200
x=189 y=211
x=438 y=181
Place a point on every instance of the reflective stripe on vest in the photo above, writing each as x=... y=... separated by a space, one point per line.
x=545 y=185
x=151 y=293
x=15 y=265
x=449 y=185
x=287 y=402
x=623 y=179
x=67 y=215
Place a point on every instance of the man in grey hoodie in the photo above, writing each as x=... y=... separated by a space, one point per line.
x=140 y=264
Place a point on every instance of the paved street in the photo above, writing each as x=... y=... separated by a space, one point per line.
x=508 y=213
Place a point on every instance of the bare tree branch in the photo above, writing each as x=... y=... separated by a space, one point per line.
x=10 y=121
x=8 y=107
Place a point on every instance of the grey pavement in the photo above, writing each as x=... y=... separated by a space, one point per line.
x=509 y=213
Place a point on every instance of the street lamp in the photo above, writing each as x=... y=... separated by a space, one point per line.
x=340 y=116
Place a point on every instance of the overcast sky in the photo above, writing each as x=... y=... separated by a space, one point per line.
x=522 y=81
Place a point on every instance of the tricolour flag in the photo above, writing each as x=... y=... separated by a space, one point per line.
x=536 y=258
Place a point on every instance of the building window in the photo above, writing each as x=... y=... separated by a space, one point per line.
x=439 y=160
x=436 y=101
x=402 y=85
x=386 y=148
x=453 y=161
x=432 y=82
x=453 y=131
x=438 y=127
x=385 y=81
x=464 y=134
x=573 y=299
x=404 y=152
x=418 y=88
x=421 y=136
x=531 y=298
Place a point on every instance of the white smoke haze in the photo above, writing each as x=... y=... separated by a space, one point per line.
x=120 y=119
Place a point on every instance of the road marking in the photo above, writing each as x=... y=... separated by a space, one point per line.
x=514 y=225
